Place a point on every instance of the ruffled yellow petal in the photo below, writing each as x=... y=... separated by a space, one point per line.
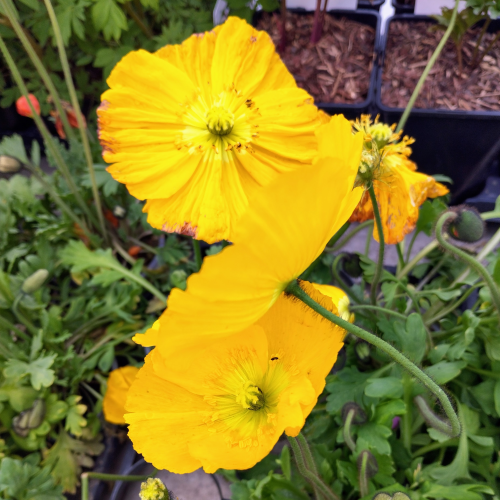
x=299 y=211
x=119 y=383
x=150 y=337
x=159 y=127
x=339 y=298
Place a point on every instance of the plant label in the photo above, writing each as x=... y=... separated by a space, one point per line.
x=431 y=7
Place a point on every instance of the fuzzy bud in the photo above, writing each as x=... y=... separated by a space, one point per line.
x=430 y=417
x=367 y=468
x=468 y=226
x=154 y=489
x=362 y=349
x=359 y=416
x=35 y=281
x=399 y=495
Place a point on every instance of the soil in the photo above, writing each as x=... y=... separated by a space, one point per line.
x=335 y=70
x=409 y=47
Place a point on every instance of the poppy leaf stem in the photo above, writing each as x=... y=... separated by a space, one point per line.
x=381 y=249
x=294 y=288
x=197 y=254
x=427 y=69
x=79 y=117
x=468 y=259
x=318 y=485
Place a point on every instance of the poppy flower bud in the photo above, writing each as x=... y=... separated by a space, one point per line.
x=430 y=417
x=367 y=468
x=359 y=416
x=9 y=165
x=362 y=349
x=29 y=419
x=468 y=225
x=399 y=495
x=119 y=212
x=35 y=281
x=154 y=489
x=23 y=107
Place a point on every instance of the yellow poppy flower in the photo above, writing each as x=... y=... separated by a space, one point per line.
x=119 y=383
x=197 y=128
x=235 y=396
x=399 y=188
x=339 y=298
x=287 y=227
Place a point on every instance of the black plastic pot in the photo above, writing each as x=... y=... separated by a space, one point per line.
x=196 y=485
x=370 y=18
x=453 y=143
x=401 y=8
x=370 y=4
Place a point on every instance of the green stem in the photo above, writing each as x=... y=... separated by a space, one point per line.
x=141 y=281
x=401 y=259
x=380 y=309
x=406 y=421
x=316 y=482
x=410 y=246
x=468 y=259
x=5 y=323
x=347 y=430
x=420 y=255
x=294 y=289
x=197 y=254
x=486 y=373
x=349 y=236
x=26 y=322
x=480 y=39
x=94 y=393
x=428 y=67
x=380 y=263
x=336 y=275
x=306 y=450
x=78 y=113
x=363 y=476
x=490 y=215
x=49 y=141
x=336 y=237
x=35 y=59
x=435 y=446
x=107 y=477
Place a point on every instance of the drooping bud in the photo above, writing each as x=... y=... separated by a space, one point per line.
x=9 y=165
x=351 y=265
x=467 y=226
x=23 y=108
x=362 y=349
x=367 y=468
x=154 y=489
x=358 y=414
x=430 y=417
x=35 y=281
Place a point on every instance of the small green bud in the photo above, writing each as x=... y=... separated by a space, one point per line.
x=35 y=281
x=382 y=496
x=468 y=226
x=397 y=496
x=367 y=468
x=31 y=418
x=154 y=489
x=362 y=349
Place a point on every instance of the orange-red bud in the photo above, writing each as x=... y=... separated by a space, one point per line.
x=23 y=107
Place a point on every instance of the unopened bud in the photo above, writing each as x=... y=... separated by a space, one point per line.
x=399 y=495
x=29 y=419
x=358 y=414
x=9 y=165
x=362 y=349
x=351 y=265
x=154 y=489
x=119 y=212
x=367 y=468
x=431 y=418
x=35 y=281
x=467 y=226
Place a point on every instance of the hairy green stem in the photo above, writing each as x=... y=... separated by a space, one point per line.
x=346 y=431
x=363 y=476
x=294 y=288
x=468 y=259
x=309 y=461
x=381 y=249
x=35 y=59
x=407 y=418
x=316 y=482
x=420 y=255
x=428 y=67
x=197 y=254
x=78 y=112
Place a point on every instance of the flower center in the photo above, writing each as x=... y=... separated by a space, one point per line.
x=381 y=133
x=251 y=397
x=220 y=121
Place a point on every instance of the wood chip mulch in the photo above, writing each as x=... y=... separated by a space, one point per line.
x=410 y=46
x=335 y=70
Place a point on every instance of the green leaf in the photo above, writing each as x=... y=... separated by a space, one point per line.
x=74 y=419
x=39 y=370
x=414 y=342
x=348 y=385
x=109 y=18
x=385 y=412
x=496 y=397
x=387 y=387
x=19 y=397
x=485 y=396
x=428 y=215
x=55 y=409
x=376 y=436
x=13 y=146
x=461 y=492
x=32 y=4
x=444 y=371
x=107 y=358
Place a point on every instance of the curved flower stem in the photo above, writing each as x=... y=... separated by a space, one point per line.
x=468 y=259
x=347 y=429
x=428 y=67
x=61 y=165
x=336 y=237
x=197 y=254
x=35 y=59
x=349 y=236
x=309 y=461
x=420 y=255
x=107 y=477
x=381 y=249
x=362 y=476
x=294 y=288
x=316 y=482
x=78 y=113
x=345 y=287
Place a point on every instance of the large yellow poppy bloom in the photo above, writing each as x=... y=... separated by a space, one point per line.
x=197 y=128
x=399 y=188
x=234 y=397
x=119 y=382
x=287 y=227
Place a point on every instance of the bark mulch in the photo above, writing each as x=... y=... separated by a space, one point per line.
x=335 y=70
x=410 y=46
